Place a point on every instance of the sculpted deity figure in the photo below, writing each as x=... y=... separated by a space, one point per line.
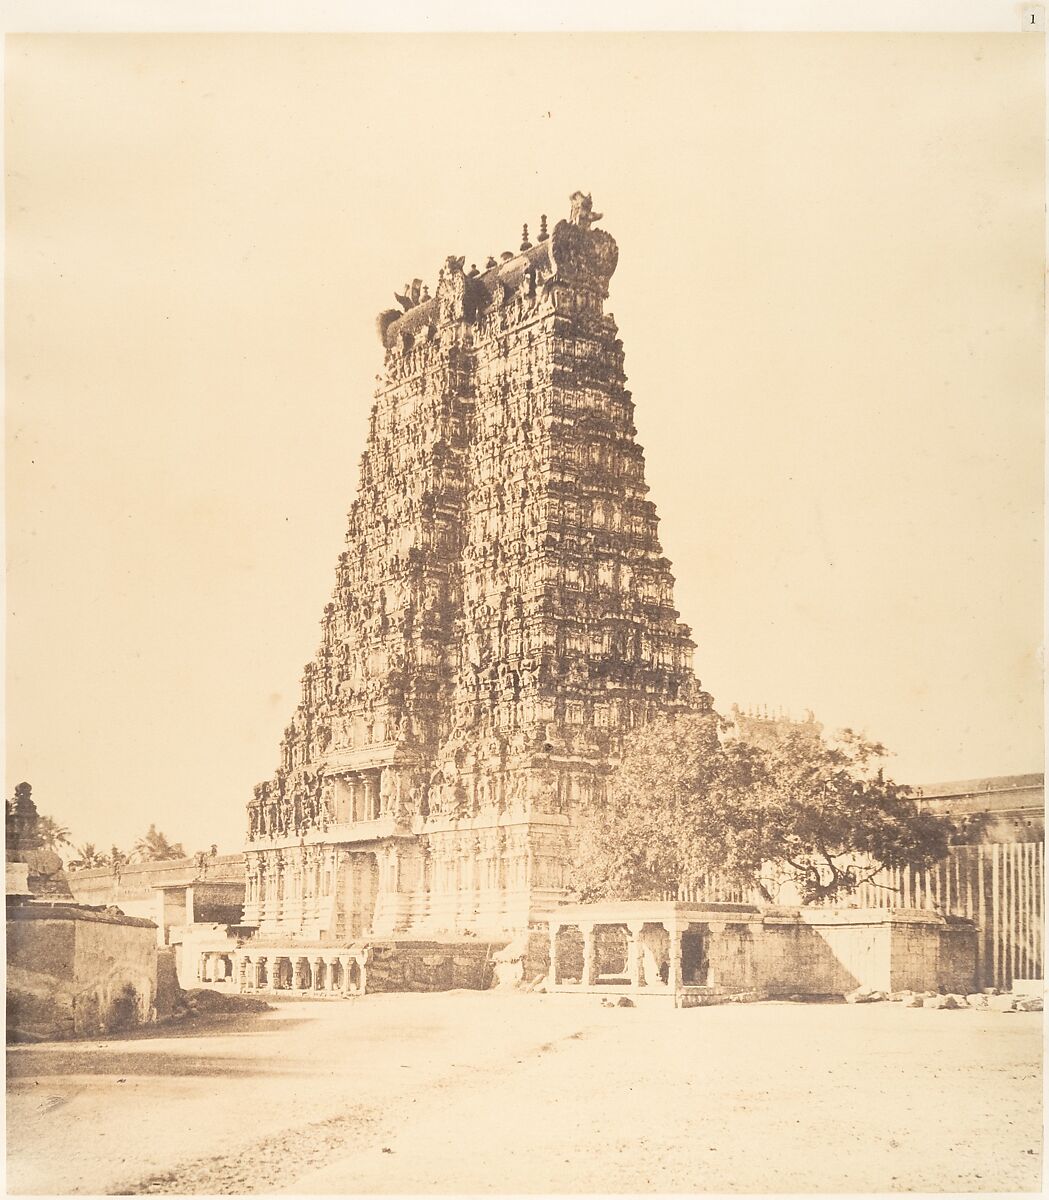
x=451 y=290
x=435 y=793
x=582 y=211
x=387 y=789
x=327 y=802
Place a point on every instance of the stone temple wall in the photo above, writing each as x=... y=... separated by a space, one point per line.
x=502 y=615
x=71 y=971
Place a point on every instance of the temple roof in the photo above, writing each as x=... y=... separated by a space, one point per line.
x=509 y=274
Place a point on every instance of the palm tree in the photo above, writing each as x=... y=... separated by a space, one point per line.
x=88 y=856
x=50 y=834
x=155 y=847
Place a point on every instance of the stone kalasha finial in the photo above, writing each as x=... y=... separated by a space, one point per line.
x=411 y=294
x=582 y=212
x=580 y=254
x=543 y=235
x=473 y=271
x=490 y=263
x=525 y=243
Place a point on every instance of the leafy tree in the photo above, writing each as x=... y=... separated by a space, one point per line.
x=155 y=847
x=687 y=802
x=828 y=808
x=673 y=812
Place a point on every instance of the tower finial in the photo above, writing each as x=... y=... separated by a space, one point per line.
x=525 y=243
x=583 y=210
x=543 y=235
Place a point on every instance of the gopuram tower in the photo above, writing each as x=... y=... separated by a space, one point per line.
x=502 y=615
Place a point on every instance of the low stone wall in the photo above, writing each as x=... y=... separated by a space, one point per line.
x=134 y=882
x=831 y=952
x=430 y=966
x=825 y=953
x=958 y=967
x=74 y=971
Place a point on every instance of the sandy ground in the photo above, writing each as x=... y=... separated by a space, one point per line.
x=495 y=1092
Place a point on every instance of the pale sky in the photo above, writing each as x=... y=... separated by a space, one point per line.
x=829 y=292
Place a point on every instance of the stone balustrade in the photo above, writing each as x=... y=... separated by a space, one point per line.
x=305 y=971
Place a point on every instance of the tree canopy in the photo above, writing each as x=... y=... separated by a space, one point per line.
x=688 y=802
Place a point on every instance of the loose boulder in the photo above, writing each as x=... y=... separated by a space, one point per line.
x=863 y=996
x=1001 y=1003
x=1029 y=1004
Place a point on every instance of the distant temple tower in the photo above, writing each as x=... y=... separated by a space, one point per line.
x=502 y=615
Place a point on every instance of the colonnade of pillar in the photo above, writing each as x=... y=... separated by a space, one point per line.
x=215 y=967
x=359 y=798
x=311 y=974
x=642 y=969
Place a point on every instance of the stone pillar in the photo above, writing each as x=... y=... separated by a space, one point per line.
x=354 y=963
x=298 y=983
x=371 y=792
x=633 y=953
x=245 y=981
x=587 y=930
x=259 y=965
x=714 y=930
x=555 y=929
x=674 y=975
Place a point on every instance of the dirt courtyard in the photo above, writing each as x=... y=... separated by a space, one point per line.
x=502 y=1092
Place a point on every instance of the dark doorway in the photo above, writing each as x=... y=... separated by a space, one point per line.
x=695 y=964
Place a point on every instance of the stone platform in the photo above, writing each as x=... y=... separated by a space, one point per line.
x=687 y=955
